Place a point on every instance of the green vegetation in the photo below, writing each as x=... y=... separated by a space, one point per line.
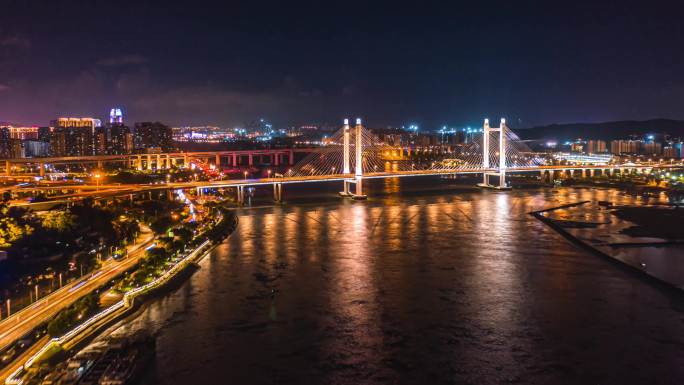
x=46 y=248
x=225 y=226
x=58 y=220
x=156 y=261
x=71 y=316
x=13 y=227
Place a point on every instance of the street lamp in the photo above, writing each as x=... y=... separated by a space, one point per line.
x=245 y=175
x=97 y=180
x=268 y=173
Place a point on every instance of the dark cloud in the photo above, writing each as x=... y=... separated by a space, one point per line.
x=121 y=60
x=433 y=64
x=209 y=105
x=15 y=41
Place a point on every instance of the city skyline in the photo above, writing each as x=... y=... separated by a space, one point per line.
x=439 y=64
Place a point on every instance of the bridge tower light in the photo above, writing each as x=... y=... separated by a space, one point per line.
x=485 y=145
x=345 y=149
x=359 y=148
x=502 y=147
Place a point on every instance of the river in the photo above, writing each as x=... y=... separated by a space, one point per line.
x=436 y=284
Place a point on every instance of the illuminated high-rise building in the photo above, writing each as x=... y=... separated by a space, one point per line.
x=73 y=136
x=153 y=135
x=115 y=116
x=4 y=142
x=76 y=123
x=596 y=146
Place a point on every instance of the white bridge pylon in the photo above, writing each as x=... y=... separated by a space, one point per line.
x=500 y=170
x=358 y=160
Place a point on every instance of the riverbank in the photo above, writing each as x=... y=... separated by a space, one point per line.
x=639 y=239
x=126 y=306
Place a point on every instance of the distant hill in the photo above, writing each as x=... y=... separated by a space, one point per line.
x=606 y=130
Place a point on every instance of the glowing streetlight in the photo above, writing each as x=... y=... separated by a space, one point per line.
x=268 y=173
x=245 y=175
x=97 y=180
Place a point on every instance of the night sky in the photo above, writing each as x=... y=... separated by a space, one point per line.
x=228 y=63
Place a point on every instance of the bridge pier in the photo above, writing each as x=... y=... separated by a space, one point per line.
x=240 y=195
x=345 y=192
x=358 y=189
x=278 y=192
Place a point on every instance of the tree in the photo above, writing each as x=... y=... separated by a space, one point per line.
x=11 y=231
x=12 y=226
x=183 y=233
x=126 y=229
x=161 y=224
x=156 y=255
x=61 y=221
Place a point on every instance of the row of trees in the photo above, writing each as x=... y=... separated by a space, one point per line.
x=68 y=318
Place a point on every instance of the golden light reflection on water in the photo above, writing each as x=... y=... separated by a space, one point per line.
x=376 y=280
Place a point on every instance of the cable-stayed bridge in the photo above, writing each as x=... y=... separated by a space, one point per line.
x=354 y=154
